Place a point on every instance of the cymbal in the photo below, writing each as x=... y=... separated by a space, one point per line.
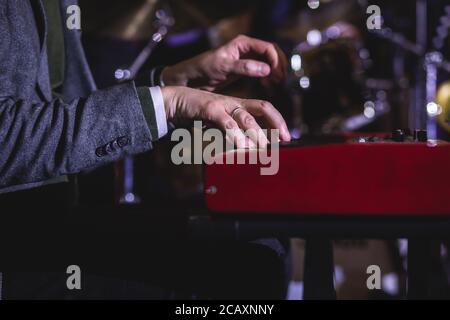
x=331 y=13
x=137 y=23
x=443 y=99
x=131 y=20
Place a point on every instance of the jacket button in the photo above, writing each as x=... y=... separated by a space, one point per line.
x=101 y=152
x=123 y=141
x=110 y=147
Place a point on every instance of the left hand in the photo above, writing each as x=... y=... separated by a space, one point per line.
x=242 y=56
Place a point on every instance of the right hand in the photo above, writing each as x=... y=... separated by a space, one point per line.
x=182 y=103
x=242 y=56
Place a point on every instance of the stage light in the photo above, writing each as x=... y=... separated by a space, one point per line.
x=369 y=109
x=296 y=62
x=364 y=54
x=369 y=112
x=333 y=32
x=296 y=133
x=433 y=109
x=390 y=283
x=129 y=197
x=314 y=37
x=304 y=82
x=313 y=4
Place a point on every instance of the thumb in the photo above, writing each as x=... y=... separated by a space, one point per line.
x=251 y=68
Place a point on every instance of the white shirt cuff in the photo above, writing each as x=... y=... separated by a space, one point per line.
x=160 y=111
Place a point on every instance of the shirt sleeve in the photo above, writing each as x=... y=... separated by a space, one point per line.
x=160 y=111
x=152 y=103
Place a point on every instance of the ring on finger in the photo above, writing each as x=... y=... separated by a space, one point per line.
x=235 y=111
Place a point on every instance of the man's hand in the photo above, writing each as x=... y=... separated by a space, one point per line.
x=227 y=113
x=243 y=56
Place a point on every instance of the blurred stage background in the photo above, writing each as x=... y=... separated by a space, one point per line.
x=343 y=77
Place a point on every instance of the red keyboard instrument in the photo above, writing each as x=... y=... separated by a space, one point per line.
x=353 y=175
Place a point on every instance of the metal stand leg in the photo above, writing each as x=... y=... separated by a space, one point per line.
x=426 y=277
x=319 y=269
x=418 y=257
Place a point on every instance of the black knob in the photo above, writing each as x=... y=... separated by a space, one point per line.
x=398 y=135
x=420 y=135
x=407 y=132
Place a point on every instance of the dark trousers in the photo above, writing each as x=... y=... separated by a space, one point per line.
x=135 y=266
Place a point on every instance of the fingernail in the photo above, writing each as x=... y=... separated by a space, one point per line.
x=252 y=67
x=286 y=135
x=264 y=69
x=258 y=69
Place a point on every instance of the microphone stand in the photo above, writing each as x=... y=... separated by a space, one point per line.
x=164 y=21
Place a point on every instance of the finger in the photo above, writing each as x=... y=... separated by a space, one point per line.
x=250 y=68
x=271 y=116
x=231 y=128
x=266 y=49
x=248 y=123
x=283 y=60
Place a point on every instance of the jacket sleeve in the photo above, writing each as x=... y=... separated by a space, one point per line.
x=41 y=140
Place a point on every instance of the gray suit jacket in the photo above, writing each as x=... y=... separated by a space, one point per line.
x=42 y=137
